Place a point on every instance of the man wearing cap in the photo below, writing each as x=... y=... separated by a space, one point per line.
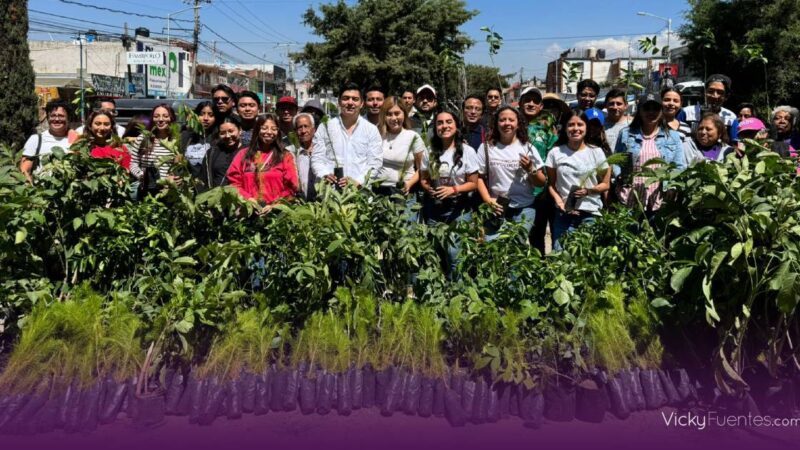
x=543 y=135
x=286 y=109
x=718 y=88
x=314 y=107
x=375 y=97
x=423 y=117
x=347 y=149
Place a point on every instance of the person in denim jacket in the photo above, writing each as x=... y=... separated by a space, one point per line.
x=648 y=137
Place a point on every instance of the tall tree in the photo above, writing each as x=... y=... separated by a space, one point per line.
x=397 y=44
x=716 y=30
x=18 y=102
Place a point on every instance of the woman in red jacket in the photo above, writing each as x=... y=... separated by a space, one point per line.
x=265 y=171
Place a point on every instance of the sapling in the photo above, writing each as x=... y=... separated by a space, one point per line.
x=598 y=171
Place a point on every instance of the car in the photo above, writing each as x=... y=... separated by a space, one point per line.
x=127 y=108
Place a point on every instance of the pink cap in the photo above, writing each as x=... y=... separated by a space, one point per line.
x=751 y=124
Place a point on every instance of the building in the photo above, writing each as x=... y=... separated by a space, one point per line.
x=591 y=63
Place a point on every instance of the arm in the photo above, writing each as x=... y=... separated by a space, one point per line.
x=136 y=170
x=290 y=175
x=552 y=176
x=375 y=156
x=321 y=164
x=416 y=177
x=26 y=167
x=604 y=185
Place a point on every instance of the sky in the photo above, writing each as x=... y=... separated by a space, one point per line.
x=534 y=32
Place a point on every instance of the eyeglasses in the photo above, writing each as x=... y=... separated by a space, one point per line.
x=222 y=99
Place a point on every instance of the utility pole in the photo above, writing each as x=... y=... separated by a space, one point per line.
x=195 y=45
x=83 y=108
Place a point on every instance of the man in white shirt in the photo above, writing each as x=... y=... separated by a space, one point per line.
x=717 y=90
x=347 y=148
x=39 y=146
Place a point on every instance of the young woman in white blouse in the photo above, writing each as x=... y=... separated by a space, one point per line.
x=402 y=147
x=149 y=151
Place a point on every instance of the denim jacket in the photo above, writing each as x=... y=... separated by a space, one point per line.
x=668 y=142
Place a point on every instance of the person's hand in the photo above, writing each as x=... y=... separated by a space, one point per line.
x=175 y=179
x=580 y=193
x=406 y=188
x=344 y=181
x=526 y=163
x=331 y=178
x=560 y=205
x=498 y=208
x=264 y=211
x=444 y=192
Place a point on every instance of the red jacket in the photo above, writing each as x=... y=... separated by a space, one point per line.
x=118 y=154
x=259 y=181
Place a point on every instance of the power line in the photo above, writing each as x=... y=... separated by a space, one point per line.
x=277 y=33
x=237 y=21
x=117 y=11
x=236 y=46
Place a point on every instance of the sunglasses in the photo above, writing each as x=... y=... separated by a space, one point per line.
x=222 y=99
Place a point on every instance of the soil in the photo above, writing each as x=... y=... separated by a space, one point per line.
x=366 y=428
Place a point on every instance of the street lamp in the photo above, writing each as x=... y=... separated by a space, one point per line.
x=669 y=31
x=169 y=43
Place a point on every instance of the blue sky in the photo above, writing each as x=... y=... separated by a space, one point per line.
x=534 y=32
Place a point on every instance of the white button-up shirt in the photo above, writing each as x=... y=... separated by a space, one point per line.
x=360 y=153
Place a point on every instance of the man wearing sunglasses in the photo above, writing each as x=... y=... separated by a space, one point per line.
x=224 y=98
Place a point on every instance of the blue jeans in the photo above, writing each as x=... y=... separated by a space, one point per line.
x=564 y=223
x=449 y=212
x=525 y=216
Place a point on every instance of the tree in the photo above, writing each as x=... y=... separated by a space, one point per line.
x=396 y=44
x=715 y=30
x=18 y=103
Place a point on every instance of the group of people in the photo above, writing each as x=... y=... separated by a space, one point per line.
x=539 y=164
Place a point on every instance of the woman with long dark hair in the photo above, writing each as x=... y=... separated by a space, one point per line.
x=224 y=148
x=648 y=137
x=578 y=175
x=265 y=172
x=196 y=143
x=97 y=133
x=510 y=167
x=403 y=149
x=150 y=151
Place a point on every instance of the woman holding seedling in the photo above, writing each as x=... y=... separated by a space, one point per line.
x=449 y=175
x=578 y=175
x=510 y=167
x=648 y=138
x=217 y=160
x=150 y=151
x=402 y=149
x=101 y=145
x=265 y=171
x=196 y=143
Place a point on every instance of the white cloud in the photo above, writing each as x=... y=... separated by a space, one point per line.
x=617 y=47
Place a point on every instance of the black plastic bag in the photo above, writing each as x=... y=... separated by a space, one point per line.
x=233 y=402
x=90 y=406
x=454 y=412
x=382 y=380
x=514 y=399
x=112 y=400
x=325 y=386
x=65 y=403
x=185 y=403
x=591 y=401
x=468 y=397
x=23 y=420
x=72 y=424
x=394 y=393
x=198 y=400
x=263 y=383
x=130 y=399
x=308 y=393
x=368 y=387
x=214 y=403
x=616 y=398
x=457 y=378
x=13 y=407
x=357 y=387
x=439 y=392
x=412 y=395
x=247 y=383
x=559 y=402
x=478 y=414
x=45 y=420
x=278 y=389
x=175 y=392
x=635 y=385
x=344 y=397
x=291 y=389
x=150 y=410
x=425 y=408
x=493 y=410
x=673 y=398
x=504 y=399
x=650 y=384
x=531 y=407
x=682 y=384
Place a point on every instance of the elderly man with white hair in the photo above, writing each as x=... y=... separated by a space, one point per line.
x=304 y=127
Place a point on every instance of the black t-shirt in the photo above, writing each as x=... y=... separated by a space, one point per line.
x=216 y=164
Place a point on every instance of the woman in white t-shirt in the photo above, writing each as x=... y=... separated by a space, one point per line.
x=578 y=174
x=449 y=176
x=510 y=167
x=403 y=149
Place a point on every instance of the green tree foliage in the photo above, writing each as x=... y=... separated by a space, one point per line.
x=18 y=102
x=773 y=25
x=395 y=43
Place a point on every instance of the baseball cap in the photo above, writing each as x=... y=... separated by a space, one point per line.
x=531 y=90
x=287 y=99
x=428 y=87
x=596 y=114
x=751 y=124
x=649 y=98
x=313 y=104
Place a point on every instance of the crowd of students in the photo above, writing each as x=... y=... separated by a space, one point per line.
x=539 y=164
